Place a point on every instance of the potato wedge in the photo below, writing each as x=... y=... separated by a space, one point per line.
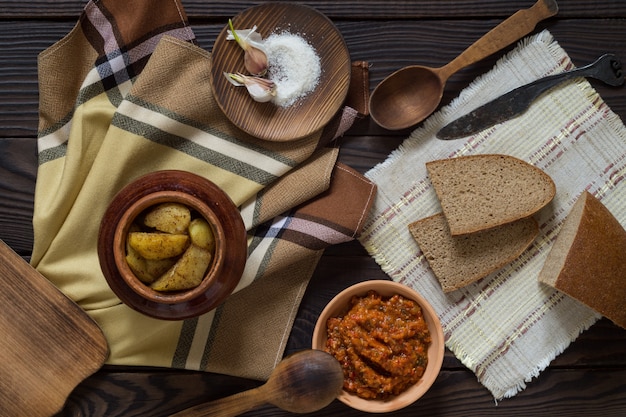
x=187 y=273
x=137 y=264
x=158 y=245
x=147 y=270
x=201 y=234
x=169 y=218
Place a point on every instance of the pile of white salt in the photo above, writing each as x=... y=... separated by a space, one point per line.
x=294 y=67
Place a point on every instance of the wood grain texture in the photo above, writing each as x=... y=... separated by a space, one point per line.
x=363 y=9
x=309 y=113
x=589 y=378
x=304 y=382
x=398 y=43
x=48 y=344
x=409 y=95
x=18 y=173
x=557 y=392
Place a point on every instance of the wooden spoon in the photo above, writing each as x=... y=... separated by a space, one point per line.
x=304 y=382
x=411 y=94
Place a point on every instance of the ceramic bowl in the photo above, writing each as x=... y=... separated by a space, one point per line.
x=310 y=113
x=339 y=306
x=203 y=197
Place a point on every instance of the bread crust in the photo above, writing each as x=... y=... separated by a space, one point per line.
x=588 y=259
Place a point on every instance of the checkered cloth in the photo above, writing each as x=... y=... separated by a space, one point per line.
x=126 y=93
x=507 y=327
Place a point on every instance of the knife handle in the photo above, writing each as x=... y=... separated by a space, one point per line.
x=512 y=29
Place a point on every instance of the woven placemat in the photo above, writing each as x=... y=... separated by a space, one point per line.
x=506 y=327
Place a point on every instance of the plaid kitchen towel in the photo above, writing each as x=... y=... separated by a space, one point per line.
x=127 y=92
x=506 y=327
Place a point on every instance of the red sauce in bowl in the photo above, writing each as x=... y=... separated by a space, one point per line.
x=381 y=343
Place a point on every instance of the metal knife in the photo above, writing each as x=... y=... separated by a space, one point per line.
x=607 y=68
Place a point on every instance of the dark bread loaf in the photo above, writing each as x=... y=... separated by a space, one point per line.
x=460 y=260
x=478 y=192
x=588 y=259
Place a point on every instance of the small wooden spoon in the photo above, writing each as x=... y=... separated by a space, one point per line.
x=304 y=382
x=411 y=94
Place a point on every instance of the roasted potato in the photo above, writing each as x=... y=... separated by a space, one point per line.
x=169 y=218
x=201 y=234
x=177 y=255
x=158 y=245
x=187 y=273
x=147 y=270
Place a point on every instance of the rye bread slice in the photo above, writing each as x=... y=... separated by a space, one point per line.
x=460 y=260
x=478 y=192
x=588 y=259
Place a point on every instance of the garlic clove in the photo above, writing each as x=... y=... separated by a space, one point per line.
x=248 y=36
x=260 y=89
x=255 y=58
x=255 y=61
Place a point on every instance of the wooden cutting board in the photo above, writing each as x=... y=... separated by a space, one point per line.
x=48 y=344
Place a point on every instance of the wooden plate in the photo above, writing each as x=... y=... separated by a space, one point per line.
x=48 y=344
x=312 y=112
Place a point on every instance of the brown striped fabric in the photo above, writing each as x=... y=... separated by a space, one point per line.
x=126 y=93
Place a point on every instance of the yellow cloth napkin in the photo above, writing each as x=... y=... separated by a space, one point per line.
x=127 y=92
x=507 y=327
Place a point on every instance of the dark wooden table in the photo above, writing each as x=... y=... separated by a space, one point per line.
x=588 y=379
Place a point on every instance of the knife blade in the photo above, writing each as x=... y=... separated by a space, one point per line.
x=607 y=68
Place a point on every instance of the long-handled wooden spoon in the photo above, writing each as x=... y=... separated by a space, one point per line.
x=304 y=382
x=411 y=94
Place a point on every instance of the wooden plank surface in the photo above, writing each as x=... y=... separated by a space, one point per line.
x=589 y=378
x=353 y=9
x=432 y=43
x=48 y=344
